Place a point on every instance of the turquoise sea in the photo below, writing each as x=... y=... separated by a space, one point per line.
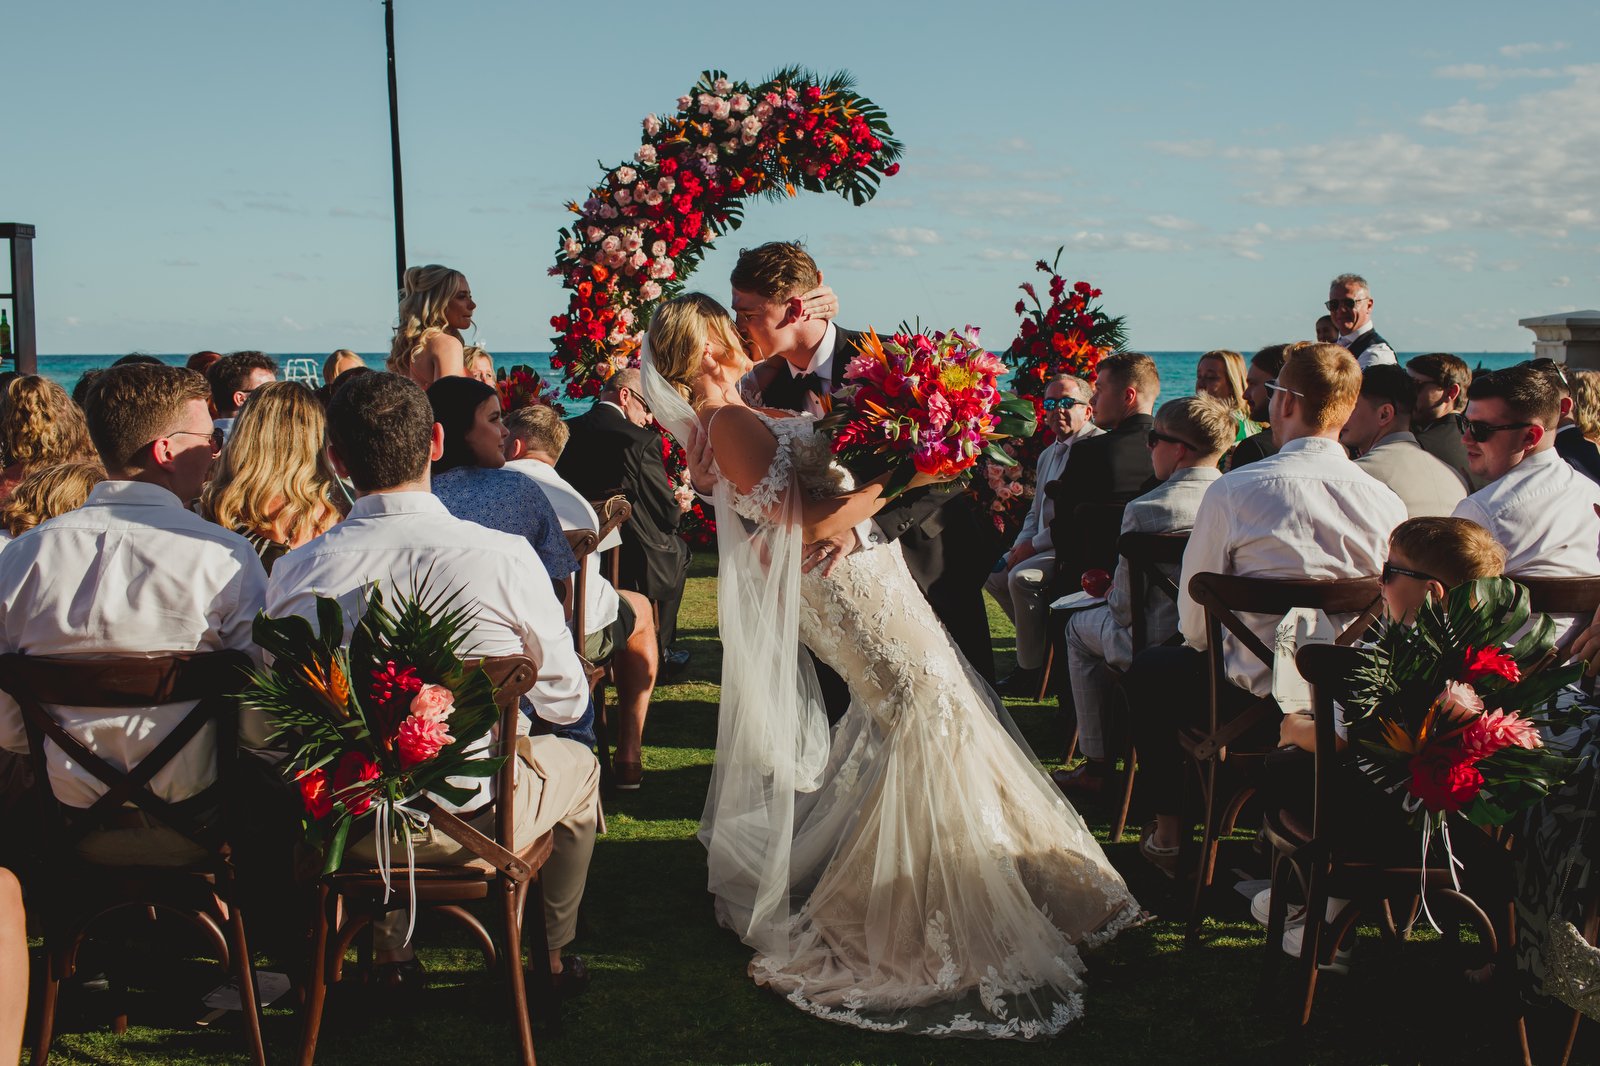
x=1177 y=368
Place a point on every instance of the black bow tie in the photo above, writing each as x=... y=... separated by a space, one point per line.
x=812 y=383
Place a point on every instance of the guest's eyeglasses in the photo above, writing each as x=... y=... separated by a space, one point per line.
x=1275 y=387
x=1391 y=571
x=1345 y=304
x=215 y=436
x=1060 y=403
x=1155 y=436
x=1482 y=431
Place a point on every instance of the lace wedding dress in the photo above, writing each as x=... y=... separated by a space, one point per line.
x=916 y=871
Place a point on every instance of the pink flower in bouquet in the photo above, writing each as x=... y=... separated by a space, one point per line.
x=393 y=681
x=1459 y=701
x=420 y=739
x=353 y=769
x=1443 y=783
x=938 y=409
x=433 y=702
x=314 y=793
x=684 y=102
x=1496 y=730
x=652 y=125
x=646 y=154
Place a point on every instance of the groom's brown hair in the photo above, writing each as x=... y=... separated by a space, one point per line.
x=778 y=270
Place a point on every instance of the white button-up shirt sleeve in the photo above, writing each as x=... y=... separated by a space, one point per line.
x=1208 y=552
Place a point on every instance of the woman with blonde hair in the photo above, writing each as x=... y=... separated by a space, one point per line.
x=478 y=365
x=435 y=307
x=39 y=426
x=272 y=482
x=47 y=492
x=1223 y=374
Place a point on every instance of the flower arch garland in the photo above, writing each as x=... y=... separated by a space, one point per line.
x=648 y=223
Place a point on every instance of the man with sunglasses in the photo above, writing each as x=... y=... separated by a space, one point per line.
x=1350 y=306
x=1536 y=505
x=1442 y=381
x=1021 y=584
x=134 y=573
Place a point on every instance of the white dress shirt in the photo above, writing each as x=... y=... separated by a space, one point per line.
x=821 y=364
x=600 y=599
x=398 y=539
x=1052 y=461
x=1373 y=356
x=130 y=573
x=1306 y=512
x=1542 y=512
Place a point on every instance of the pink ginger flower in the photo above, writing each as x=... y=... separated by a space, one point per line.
x=1491 y=732
x=420 y=739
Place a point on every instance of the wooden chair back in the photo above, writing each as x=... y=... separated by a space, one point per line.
x=1147 y=555
x=582 y=542
x=211 y=679
x=612 y=510
x=512 y=676
x=1564 y=595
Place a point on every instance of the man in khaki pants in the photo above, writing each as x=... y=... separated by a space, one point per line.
x=381 y=434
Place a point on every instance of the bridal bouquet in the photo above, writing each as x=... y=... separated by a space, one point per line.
x=1449 y=719
x=375 y=724
x=924 y=403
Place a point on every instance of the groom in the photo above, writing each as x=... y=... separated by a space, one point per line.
x=937 y=529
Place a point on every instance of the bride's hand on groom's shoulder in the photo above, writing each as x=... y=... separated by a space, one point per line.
x=701 y=461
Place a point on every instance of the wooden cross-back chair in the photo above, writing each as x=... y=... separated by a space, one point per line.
x=349 y=899
x=613 y=510
x=1225 y=598
x=74 y=893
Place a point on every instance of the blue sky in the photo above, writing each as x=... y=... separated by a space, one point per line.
x=216 y=174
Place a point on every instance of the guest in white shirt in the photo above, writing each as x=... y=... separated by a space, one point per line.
x=1536 y=504
x=1189 y=438
x=1350 y=306
x=1022 y=585
x=1379 y=431
x=134 y=573
x=1306 y=512
x=619 y=625
x=381 y=435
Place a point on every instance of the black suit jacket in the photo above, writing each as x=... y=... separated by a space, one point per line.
x=607 y=452
x=1578 y=450
x=1442 y=440
x=1254 y=447
x=1112 y=468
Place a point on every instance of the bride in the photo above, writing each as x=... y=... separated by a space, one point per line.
x=915 y=871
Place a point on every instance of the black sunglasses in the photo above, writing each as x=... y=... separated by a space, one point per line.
x=1345 y=304
x=1390 y=572
x=216 y=437
x=1482 y=431
x=1060 y=403
x=1155 y=437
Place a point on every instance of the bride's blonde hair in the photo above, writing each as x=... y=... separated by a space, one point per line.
x=422 y=302
x=678 y=334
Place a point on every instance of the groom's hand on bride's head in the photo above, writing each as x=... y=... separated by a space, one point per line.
x=828 y=553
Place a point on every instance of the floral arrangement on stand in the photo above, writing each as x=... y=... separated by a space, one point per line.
x=649 y=221
x=377 y=723
x=1069 y=336
x=1449 y=718
x=924 y=403
x=521 y=386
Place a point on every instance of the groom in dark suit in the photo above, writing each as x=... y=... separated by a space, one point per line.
x=938 y=529
x=613 y=447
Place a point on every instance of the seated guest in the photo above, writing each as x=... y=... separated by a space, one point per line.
x=1112 y=468
x=382 y=435
x=1022 y=585
x=469 y=480
x=46 y=493
x=1571 y=443
x=479 y=364
x=133 y=573
x=1306 y=512
x=619 y=625
x=1379 y=432
x=202 y=361
x=1535 y=504
x=614 y=447
x=1223 y=374
x=40 y=426
x=1264 y=367
x=233 y=378
x=1190 y=435
x=1442 y=381
x=273 y=485
x=338 y=362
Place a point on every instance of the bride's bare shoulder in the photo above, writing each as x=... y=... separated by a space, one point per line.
x=743 y=444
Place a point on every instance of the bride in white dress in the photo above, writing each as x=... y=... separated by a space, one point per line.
x=914 y=870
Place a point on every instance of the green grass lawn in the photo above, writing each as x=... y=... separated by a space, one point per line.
x=670 y=985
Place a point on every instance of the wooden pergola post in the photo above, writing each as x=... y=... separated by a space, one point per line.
x=24 y=331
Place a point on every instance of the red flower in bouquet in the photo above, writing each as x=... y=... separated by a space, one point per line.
x=352 y=770
x=1489 y=662
x=424 y=733
x=925 y=403
x=314 y=794
x=1444 y=781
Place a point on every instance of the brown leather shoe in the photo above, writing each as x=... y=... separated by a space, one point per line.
x=1088 y=779
x=627 y=776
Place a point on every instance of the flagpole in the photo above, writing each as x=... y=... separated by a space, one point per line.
x=394 y=148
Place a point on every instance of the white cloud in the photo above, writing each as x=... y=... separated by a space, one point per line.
x=913 y=235
x=1490 y=74
x=1172 y=222
x=1522 y=51
x=1560 y=283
